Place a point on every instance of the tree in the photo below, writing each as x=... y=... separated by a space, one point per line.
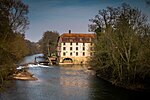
x=147 y=2
x=33 y=47
x=13 y=22
x=122 y=45
x=48 y=43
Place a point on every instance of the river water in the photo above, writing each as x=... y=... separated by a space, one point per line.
x=66 y=83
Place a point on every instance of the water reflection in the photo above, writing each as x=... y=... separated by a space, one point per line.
x=66 y=83
x=74 y=82
x=74 y=76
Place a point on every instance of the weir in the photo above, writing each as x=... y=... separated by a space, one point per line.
x=69 y=82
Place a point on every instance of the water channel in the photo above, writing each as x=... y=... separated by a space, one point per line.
x=66 y=83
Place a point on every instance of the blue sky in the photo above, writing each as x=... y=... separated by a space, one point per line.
x=64 y=15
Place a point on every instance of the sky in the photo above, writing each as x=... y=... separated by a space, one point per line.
x=65 y=15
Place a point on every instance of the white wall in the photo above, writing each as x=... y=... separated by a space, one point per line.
x=80 y=49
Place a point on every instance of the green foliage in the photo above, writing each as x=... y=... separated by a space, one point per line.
x=13 y=21
x=48 y=43
x=34 y=48
x=123 y=45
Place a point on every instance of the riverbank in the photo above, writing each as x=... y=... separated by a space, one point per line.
x=133 y=86
x=23 y=74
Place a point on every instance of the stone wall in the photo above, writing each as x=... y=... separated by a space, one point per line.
x=75 y=60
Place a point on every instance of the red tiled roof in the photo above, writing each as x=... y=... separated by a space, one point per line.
x=77 y=35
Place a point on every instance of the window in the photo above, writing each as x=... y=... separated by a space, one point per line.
x=64 y=44
x=76 y=48
x=70 y=48
x=83 y=44
x=91 y=54
x=83 y=48
x=64 y=53
x=64 y=48
x=76 y=53
x=70 y=53
x=83 y=53
x=71 y=43
x=77 y=43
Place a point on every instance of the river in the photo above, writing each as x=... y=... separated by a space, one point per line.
x=66 y=83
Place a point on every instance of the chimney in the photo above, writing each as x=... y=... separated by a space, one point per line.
x=69 y=31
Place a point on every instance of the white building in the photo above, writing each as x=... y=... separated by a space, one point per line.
x=74 y=48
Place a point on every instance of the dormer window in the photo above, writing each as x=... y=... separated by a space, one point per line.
x=80 y=39
x=90 y=39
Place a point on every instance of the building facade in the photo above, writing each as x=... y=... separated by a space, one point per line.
x=75 y=48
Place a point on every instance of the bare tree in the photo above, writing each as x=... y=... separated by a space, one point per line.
x=122 y=43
